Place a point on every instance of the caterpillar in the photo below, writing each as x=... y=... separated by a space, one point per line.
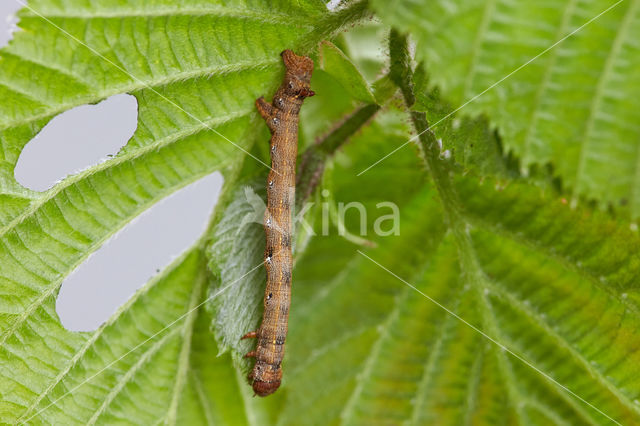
x=281 y=116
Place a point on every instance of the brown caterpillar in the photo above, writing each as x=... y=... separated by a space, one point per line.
x=282 y=118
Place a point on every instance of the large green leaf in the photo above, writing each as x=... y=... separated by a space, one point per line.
x=552 y=284
x=575 y=106
x=196 y=69
x=62 y=377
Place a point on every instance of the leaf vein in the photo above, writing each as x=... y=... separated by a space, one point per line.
x=596 y=101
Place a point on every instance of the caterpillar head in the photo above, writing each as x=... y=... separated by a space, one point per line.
x=298 y=77
x=265 y=378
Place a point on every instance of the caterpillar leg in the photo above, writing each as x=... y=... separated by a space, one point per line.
x=250 y=335
x=251 y=354
x=268 y=113
x=265 y=109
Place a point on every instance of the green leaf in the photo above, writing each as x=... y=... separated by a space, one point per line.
x=196 y=69
x=318 y=117
x=575 y=106
x=156 y=344
x=365 y=47
x=554 y=285
x=469 y=141
x=237 y=254
x=334 y=62
x=550 y=347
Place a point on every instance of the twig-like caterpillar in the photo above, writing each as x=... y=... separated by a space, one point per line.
x=281 y=116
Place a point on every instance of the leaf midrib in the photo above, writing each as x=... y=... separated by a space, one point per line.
x=206 y=409
x=491 y=327
x=505 y=367
x=429 y=366
x=473 y=386
x=506 y=363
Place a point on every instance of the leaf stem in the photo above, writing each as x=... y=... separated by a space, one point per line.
x=314 y=158
x=402 y=75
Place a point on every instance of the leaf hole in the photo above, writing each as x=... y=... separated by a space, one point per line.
x=8 y=21
x=108 y=278
x=75 y=140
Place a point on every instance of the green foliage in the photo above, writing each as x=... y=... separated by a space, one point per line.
x=335 y=63
x=537 y=300
x=575 y=106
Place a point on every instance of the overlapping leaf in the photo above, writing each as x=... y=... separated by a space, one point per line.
x=574 y=106
x=554 y=285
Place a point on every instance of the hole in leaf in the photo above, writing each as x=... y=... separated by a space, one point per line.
x=95 y=290
x=75 y=140
x=8 y=21
x=333 y=4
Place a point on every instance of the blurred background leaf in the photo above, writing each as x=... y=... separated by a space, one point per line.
x=574 y=106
